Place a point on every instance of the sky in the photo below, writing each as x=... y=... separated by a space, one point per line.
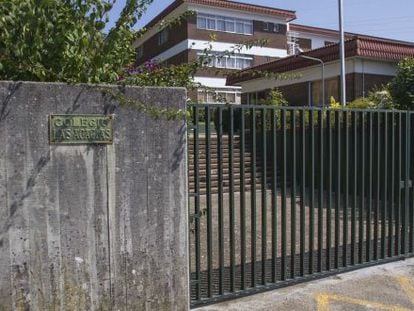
x=384 y=18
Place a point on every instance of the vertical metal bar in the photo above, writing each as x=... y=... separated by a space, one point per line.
x=274 y=195
x=320 y=192
x=208 y=205
x=253 y=200
x=242 y=202
x=391 y=234
x=338 y=186
x=329 y=203
x=346 y=203
x=406 y=214
x=385 y=190
x=378 y=190
x=220 y=200
x=312 y=191
x=264 y=194
x=293 y=196
x=411 y=205
x=362 y=195
x=231 y=201
x=355 y=188
x=196 y=200
x=303 y=195
x=398 y=189
x=369 y=207
x=391 y=204
x=191 y=216
x=284 y=170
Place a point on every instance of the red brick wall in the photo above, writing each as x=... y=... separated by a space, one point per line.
x=188 y=30
x=176 y=34
x=296 y=94
x=180 y=58
x=371 y=81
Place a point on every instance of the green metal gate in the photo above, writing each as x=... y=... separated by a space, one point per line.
x=279 y=196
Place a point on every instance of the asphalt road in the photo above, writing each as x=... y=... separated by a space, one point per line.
x=384 y=287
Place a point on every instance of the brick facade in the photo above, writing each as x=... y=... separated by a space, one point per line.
x=188 y=30
x=180 y=58
x=296 y=94
x=305 y=44
x=371 y=82
x=176 y=34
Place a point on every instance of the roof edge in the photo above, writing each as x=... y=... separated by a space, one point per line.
x=261 y=9
x=383 y=49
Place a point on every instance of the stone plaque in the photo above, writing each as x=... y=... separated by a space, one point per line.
x=80 y=129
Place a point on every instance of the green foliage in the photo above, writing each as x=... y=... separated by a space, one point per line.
x=333 y=104
x=378 y=98
x=402 y=86
x=275 y=99
x=361 y=103
x=63 y=40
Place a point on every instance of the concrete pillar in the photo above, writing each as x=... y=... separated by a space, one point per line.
x=92 y=227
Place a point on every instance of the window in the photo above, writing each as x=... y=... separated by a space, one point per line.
x=230 y=62
x=239 y=27
x=211 y=24
x=221 y=60
x=331 y=89
x=231 y=97
x=226 y=24
x=230 y=25
x=248 y=29
x=292 y=42
x=221 y=25
x=201 y=22
x=163 y=36
x=201 y=97
x=206 y=97
x=271 y=27
x=329 y=43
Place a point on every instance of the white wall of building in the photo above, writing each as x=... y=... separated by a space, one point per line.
x=217 y=47
x=214 y=82
x=318 y=41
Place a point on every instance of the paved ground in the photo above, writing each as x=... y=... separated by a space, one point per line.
x=384 y=287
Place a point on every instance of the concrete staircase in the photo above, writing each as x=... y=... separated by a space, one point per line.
x=214 y=165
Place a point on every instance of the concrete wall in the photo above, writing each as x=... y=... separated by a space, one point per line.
x=91 y=227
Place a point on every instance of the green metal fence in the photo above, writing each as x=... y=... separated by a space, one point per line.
x=285 y=195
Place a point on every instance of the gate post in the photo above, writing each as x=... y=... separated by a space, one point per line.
x=88 y=226
x=148 y=206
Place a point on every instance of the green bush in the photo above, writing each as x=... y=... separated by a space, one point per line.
x=381 y=97
x=275 y=99
x=361 y=103
x=402 y=86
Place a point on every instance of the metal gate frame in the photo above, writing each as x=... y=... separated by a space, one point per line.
x=328 y=159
